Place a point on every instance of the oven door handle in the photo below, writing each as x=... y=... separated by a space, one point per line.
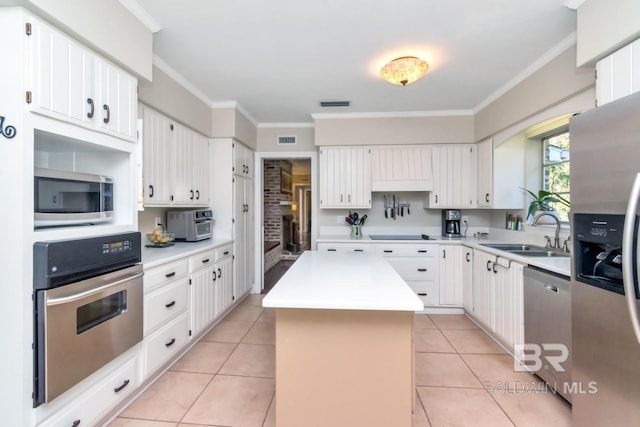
x=81 y=295
x=628 y=250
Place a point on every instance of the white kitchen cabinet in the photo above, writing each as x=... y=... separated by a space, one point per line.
x=344 y=247
x=401 y=168
x=451 y=276
x=163 y=344
x=509 y=306
x=95 y=402
x=165 y=303
x=202 y=292
x=71 y=83
x=345 y=177
x=223 y=279
x=499 y=174
x=243 y=161
x=484 y=289
x=454 y=176
x=418 y=266
x=618 y=74
x=467 y=280
x=243 y=235
x=175 y=163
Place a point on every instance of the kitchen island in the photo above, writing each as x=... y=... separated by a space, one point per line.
x=344 y=342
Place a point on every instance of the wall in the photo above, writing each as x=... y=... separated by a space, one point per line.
x=428 y=129
x=273 y=211
x=268 y=138
x=228 y=121
x=603 y=26
x=553 y=83
x=104 y=25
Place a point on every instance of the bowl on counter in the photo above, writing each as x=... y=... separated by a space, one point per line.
x=160 y=237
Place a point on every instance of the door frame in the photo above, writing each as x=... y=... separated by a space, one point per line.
x=258 y=284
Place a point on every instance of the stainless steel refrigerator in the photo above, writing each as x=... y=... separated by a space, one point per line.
x=605 y=195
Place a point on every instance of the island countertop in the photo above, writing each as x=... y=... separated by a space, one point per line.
x=342 y=281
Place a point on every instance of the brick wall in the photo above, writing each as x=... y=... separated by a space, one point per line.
x=273 y=211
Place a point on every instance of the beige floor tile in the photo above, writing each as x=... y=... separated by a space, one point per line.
x=169 y=398
x=423 y=321
x=461 y=407
x=534 y=406
x=444 y=369
x=204 y=357
x=453 y=321
x=496 y=369
x=419 y=416
x=268 y=315
x=253 y=360
x=132 y=422
x=472 y=341
x=261 y=333
x=228 y=331
x=270 y=421
x=431 y=341
x=253 y=299
x=245 y=312
x=233 y=401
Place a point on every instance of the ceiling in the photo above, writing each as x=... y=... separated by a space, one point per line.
x=278 y=59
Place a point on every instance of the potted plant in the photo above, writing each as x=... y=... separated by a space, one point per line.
x=542 y=203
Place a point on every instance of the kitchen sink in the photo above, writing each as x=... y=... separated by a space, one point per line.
x=540 y=253
x=513 y=247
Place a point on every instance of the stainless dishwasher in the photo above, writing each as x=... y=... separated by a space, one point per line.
x=547 y=323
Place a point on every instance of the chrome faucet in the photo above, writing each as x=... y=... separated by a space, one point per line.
x=556 y=240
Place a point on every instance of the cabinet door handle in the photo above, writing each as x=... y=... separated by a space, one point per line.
x=204 y=261
x=467 y=257
x=151 y=192
x=422 y=294
x=422 y=270
x=331 y=250
x=76 y=423
x=219 y=274
x=341 y=198
x=105 y=107
x=197 y=194
x=488 y=265
x=214 y=277
x=436 y=198
x=349 y=198
x=173 y=273
x=551 y=288
x=388 y=251
x=486 y=197
x=226 y=252
x=91 y=108
x=444 y=254
x=170 y=343
x=247 y=207
x=170 y=304
x=119 y=388
x=422 y=251
x=358 y=250
x=192 y=195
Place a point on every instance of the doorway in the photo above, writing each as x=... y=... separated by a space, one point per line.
x=286 y=212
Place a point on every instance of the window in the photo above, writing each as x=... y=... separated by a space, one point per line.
x=555 y=169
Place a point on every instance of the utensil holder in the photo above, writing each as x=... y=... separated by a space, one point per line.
x=356 y=231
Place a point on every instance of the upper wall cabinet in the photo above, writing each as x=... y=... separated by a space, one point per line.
x=243 y=161
x=454 y=176
x=69 y=82
x=485 y=173
x=618 y=75
x=175 y=164
x=345 y=177
x=501 y=171
x=401 y=168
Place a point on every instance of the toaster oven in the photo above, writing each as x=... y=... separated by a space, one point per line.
x=190 y=225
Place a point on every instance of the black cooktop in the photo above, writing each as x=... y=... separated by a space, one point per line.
x=399 y=237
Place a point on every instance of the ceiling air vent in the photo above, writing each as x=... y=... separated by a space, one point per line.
x=335 y=103
x=287 y=140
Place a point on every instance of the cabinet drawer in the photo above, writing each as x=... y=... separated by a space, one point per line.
x=164 y=343
x=414 y=268
x=165 y=273
x=410 y=249
x=344 y=247
x=202 y=260
x=165 y=303
x=223 y=252
x=98 y=400
x=427 y=291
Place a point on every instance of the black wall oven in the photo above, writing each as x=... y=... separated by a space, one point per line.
x=88 y=308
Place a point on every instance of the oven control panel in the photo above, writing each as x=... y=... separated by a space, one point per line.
x=116 y=247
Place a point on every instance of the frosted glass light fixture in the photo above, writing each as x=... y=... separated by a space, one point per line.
x=404 y=70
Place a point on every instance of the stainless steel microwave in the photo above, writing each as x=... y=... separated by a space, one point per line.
x=66 y=198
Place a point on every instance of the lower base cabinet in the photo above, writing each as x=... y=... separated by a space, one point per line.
x=95 y=402
x=163 y=344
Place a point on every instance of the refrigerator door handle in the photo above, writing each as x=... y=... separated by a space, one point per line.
x=628 y=245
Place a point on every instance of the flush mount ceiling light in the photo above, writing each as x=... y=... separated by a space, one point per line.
x=404 y=70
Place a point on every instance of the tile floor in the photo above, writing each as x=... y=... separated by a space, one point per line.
x=463 y=378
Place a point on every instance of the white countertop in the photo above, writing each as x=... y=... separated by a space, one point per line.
x=560 y=265
x=342 y=281
x=155 y=256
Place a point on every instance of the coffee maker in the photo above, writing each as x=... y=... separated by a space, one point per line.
x=451 y=223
